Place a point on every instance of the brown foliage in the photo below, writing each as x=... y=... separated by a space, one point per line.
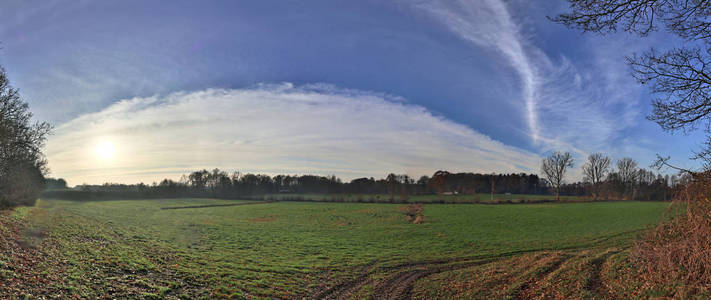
x=413 y=213
x=676 y=255
x=419 y=219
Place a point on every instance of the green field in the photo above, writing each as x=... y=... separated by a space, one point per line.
x=293 y=249
x=429 y=198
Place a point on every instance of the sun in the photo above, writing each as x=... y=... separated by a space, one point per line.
x=105 y=150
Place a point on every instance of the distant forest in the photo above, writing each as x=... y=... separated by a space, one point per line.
x=220 y=184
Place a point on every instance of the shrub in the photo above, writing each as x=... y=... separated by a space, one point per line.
x=413 y=213
x=678 y=251
x=419 y=219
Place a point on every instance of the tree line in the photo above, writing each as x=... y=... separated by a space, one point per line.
x=601 y=180
x=221 y=184
x=606 y=184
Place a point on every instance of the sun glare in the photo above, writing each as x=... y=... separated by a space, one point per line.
x=105 y=150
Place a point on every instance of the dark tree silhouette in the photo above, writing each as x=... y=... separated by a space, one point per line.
x=681 y=76
x=56 y=183
x=22 y=164
x=217 y=184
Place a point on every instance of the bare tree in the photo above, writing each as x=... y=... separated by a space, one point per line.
x=681 y=76
x=628 y=174
x=554 y=167
x=22 y=164
x=627 y=169
x=595 y=169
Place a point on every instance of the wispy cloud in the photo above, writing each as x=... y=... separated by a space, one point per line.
x=579 y=106
x=487 y=23
x=273 y=129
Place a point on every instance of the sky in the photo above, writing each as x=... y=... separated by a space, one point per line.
x=140 y=90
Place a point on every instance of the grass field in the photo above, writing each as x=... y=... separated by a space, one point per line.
x=457 y=198
x=299 y=249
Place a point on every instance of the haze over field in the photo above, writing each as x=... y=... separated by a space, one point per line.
x=344 y=88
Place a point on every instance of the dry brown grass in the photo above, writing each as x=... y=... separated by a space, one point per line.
x=675 y=257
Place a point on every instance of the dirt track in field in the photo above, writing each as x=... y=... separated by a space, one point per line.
x=400 y=280
x=397 y=282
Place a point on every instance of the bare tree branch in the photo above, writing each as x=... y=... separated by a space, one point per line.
x=680 y=77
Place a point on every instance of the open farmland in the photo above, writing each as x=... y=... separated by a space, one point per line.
x=297 y=249
x=426 y=198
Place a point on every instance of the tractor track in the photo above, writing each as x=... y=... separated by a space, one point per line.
x=595 y=284
x=523 y=291
x=399 y=284
x=399 y=280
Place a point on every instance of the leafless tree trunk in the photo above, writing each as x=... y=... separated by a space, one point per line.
x=554 y=167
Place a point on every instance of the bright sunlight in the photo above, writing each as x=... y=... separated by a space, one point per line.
x=105 y=150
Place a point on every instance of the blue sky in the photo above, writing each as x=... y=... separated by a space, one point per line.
x=351 y=88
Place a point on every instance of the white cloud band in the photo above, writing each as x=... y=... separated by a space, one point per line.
x=273 y=129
